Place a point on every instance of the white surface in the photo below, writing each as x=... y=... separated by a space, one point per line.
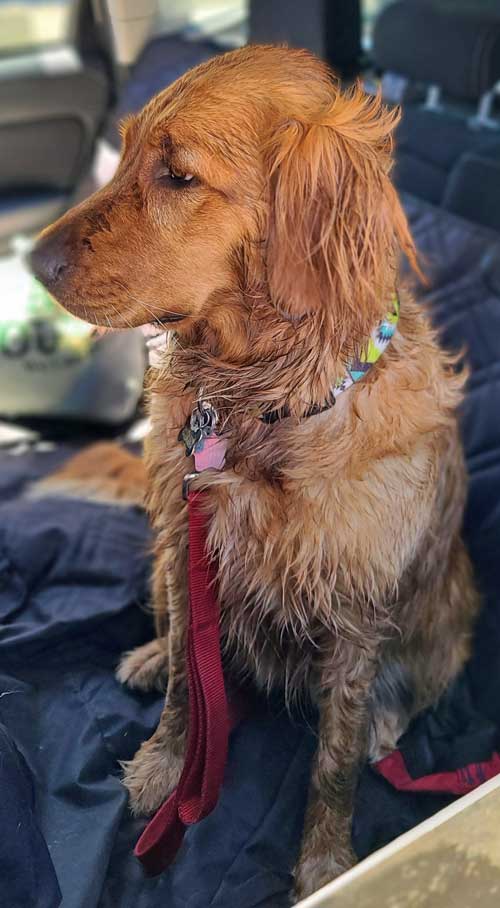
x=131 y=23
x=106 y=159
x=325 y=897
x=52 y=61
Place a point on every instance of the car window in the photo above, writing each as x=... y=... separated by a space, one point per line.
x=201 y=16
x=33 y=24
x=370 y=10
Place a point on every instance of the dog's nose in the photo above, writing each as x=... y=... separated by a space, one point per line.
x=50 y=258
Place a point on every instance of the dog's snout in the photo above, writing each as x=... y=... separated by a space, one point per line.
x=49 y=259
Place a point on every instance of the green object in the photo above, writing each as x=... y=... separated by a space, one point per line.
x=50 y=363
x=42 y=328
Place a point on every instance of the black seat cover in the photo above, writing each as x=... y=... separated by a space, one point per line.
x=455 y=47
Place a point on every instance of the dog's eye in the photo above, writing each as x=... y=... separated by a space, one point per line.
x=168 y=175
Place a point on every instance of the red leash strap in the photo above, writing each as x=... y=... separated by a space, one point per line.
x=456 y=781
x=209 y=724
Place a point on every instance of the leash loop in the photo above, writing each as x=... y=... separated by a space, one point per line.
x=209 y=724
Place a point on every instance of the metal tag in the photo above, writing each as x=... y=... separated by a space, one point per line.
x=200 y=425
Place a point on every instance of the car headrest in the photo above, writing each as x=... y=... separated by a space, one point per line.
x=457 y=50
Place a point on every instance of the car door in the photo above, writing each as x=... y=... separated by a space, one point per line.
x=56 y=85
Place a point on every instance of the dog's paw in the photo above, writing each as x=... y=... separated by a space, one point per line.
x=151 y=777
x=385 y=730
x=146 y=667
x=316 y=870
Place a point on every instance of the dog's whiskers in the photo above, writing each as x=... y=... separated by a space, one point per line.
x=150 y=308
x=121 y=314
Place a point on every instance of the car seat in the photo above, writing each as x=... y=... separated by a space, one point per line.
x=442 y=61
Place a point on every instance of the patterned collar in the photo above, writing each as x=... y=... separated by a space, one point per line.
x=200 y=436
x=380 y=339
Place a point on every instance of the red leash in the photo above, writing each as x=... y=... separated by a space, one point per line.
x=454 y=782
x=209 y=722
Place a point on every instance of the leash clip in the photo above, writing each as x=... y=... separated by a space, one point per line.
x=186 y=482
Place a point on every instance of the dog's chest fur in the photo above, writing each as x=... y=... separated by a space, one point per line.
x=306 y=566
x=311 y=555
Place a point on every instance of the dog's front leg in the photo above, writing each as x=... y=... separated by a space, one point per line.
x=155 y=770
x=326 y=850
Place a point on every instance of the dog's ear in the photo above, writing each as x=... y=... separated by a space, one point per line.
x=336 y=224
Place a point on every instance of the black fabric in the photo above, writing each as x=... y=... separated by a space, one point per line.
x=463 y=263
x=450 y=737
x=73 y=594
x=288 y=22
x=432 y=151
x=343 y=36
x=27 y=870
x=473 y=190
x=455 y=48
x=331 y=30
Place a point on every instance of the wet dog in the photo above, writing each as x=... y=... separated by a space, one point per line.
x=253 y=212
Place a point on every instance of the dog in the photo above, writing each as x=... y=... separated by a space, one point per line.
x=253 y=216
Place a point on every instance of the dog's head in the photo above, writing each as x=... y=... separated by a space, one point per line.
x=250 y=177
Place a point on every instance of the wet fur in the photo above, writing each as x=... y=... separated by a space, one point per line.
x=342 y=572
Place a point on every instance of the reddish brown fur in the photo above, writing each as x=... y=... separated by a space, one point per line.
x=101 y=472
x=342 y=571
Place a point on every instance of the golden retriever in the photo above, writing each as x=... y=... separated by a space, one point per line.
x=253 y=207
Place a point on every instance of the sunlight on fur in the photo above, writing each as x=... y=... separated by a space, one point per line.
x=343 y=577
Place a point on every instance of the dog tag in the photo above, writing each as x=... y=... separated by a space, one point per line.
x=189 y=439
x=201 y=425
